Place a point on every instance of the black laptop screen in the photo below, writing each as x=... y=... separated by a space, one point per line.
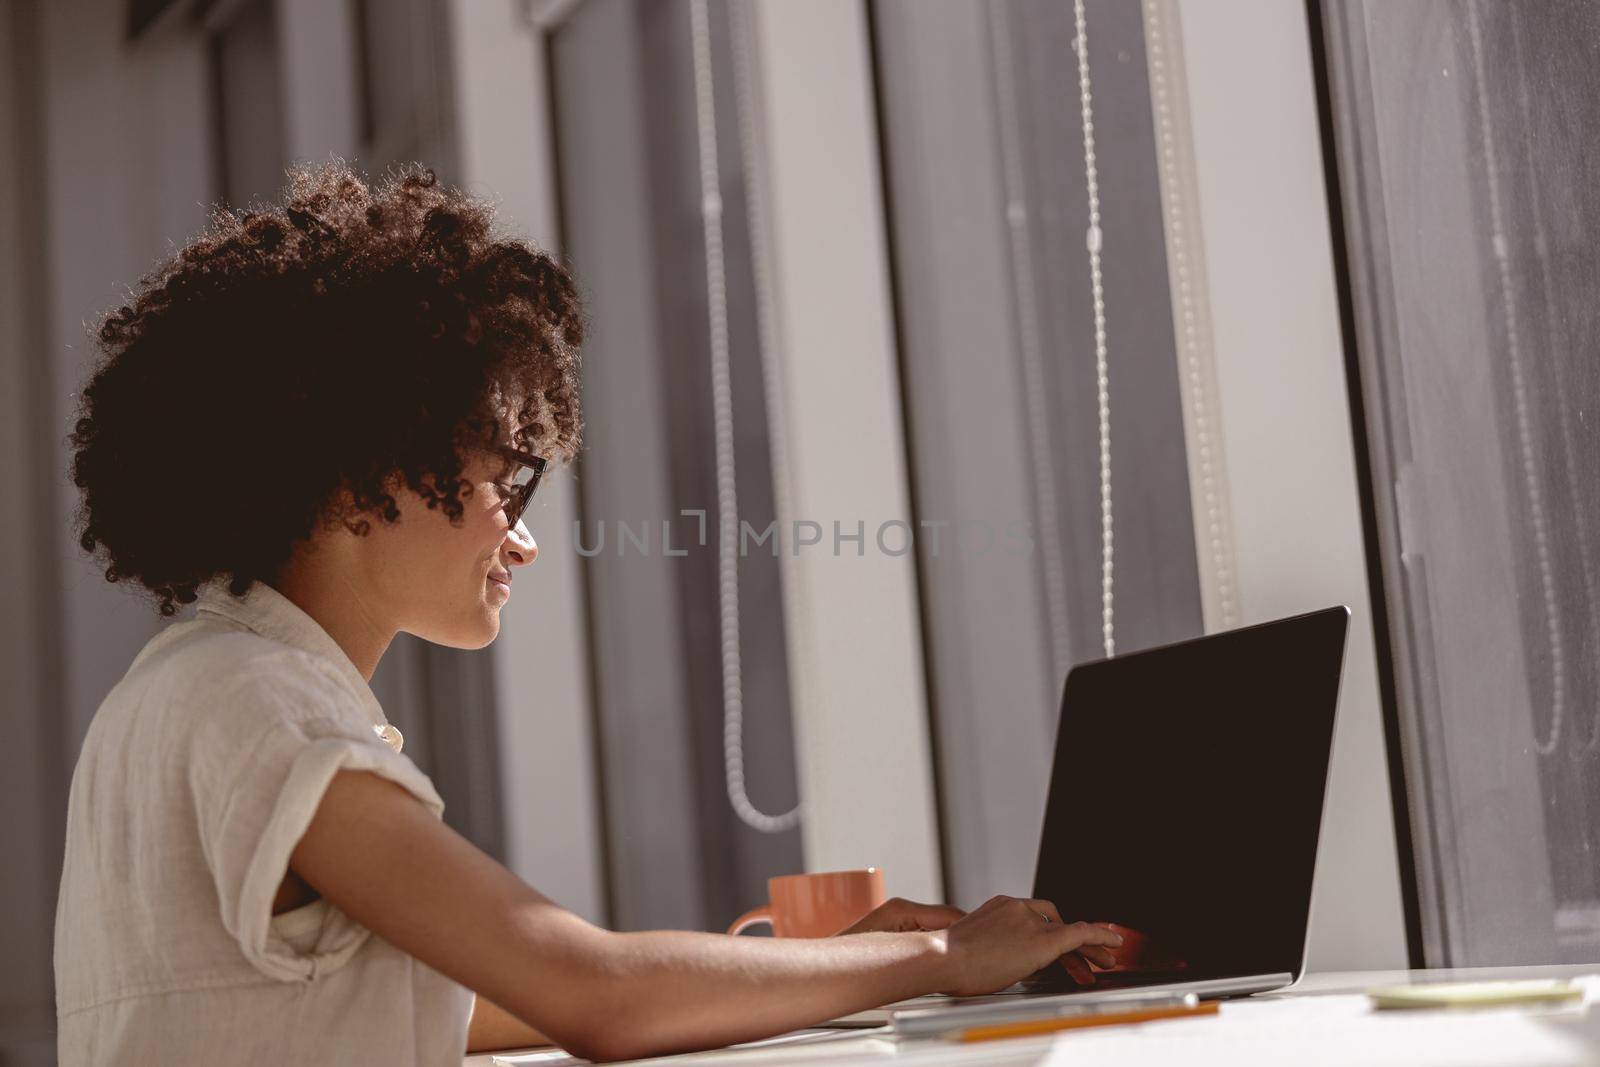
x=1187 y=792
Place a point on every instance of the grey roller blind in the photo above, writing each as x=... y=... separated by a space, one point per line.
x=1465 y=133
x=628 y=154
x=983 y=145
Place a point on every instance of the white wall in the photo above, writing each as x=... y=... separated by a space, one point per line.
x=1286 y=421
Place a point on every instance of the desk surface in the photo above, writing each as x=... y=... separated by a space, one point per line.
x=1267 y=1026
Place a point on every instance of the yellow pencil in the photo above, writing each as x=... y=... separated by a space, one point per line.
x=1072 y=1022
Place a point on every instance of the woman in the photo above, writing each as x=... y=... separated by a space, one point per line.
x=322 y=421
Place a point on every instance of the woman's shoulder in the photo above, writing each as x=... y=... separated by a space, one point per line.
x=232 y=676
x=217 y=701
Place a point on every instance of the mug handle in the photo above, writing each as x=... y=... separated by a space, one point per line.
x=752 y=917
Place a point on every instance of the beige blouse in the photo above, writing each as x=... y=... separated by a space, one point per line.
x=200 y=773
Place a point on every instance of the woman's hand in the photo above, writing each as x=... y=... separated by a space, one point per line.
x=898 y=915
x=1008 y=939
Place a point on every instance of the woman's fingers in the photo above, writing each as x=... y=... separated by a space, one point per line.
x=1074 y=936
x=1088 y=951
x=1089 y=933
x=1094 y=940
x=1077 y=968
x=1099 y=955
x=1008 y=937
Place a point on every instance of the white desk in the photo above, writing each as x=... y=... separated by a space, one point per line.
x=1292 y=1026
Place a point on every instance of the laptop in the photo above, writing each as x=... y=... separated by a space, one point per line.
x=1185 y=802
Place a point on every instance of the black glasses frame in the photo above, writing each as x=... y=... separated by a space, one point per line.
x=517 y=501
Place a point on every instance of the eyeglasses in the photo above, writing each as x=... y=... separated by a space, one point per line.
x=525 y=474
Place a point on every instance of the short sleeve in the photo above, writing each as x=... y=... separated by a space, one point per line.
x=257 y=775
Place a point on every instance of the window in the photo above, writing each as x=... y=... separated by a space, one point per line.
x=984 y=152
x=1464 y=131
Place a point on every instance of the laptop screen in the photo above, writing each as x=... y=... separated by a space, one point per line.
x=1187 y=793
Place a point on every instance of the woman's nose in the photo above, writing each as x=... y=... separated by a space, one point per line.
x=519 y=549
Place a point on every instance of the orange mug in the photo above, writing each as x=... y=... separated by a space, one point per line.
x=816 y=905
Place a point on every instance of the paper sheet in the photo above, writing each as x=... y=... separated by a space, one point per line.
x=1340 y=1030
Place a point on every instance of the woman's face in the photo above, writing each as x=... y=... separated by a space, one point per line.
x=447 y=583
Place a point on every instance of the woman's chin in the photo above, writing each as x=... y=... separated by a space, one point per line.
x=487 y=630
x=478 y=630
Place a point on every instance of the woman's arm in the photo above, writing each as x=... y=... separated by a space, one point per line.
x=380 y=857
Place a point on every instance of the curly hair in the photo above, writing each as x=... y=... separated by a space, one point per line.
x=294 y=353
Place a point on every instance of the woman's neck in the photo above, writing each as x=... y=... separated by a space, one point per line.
x=330 y=595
